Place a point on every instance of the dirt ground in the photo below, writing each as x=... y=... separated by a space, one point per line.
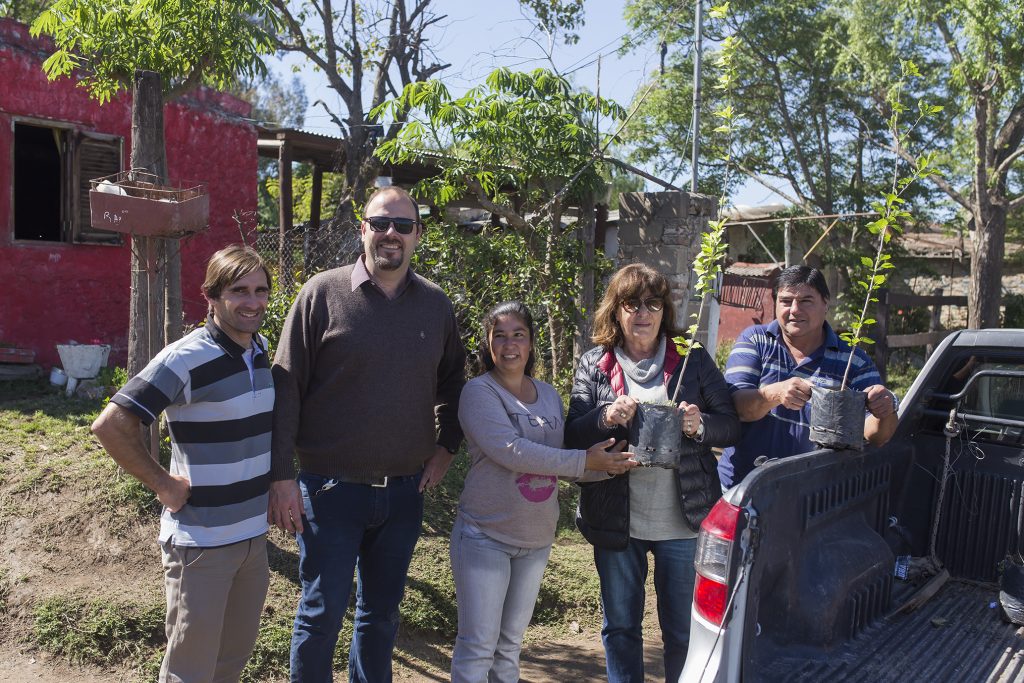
x=548 y=662
x=58 y=536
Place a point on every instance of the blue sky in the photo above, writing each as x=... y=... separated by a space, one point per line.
x=477 y=37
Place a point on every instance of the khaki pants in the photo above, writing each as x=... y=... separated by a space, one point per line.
x=214 y=600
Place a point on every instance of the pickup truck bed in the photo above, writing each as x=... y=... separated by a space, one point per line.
x=810 y=583
x=958 y=635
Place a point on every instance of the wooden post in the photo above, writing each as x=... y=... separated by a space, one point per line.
x=786 y=246
x=935 y=323
x=314 y=206
x=284 y=210
x=146 y=313
x=881 y=346
x=173 y=318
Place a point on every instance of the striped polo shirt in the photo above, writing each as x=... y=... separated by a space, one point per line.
x=219 y=415
x=760 y=357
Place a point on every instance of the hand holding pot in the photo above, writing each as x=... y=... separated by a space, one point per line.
x=619 y=413
x=608 y=456
x=793 y=393
x=880 y=401
x=692 y=419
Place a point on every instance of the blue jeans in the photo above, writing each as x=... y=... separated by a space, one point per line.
x=623 y=575
x=346 y=528
x=496 y=588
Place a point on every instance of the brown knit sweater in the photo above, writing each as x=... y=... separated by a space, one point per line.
x=365 y=385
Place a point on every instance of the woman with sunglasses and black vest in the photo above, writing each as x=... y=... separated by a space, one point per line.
x=508 y=509
x=650 y=509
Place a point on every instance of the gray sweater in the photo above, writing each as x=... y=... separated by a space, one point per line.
x=511 y=490
x=360 y=379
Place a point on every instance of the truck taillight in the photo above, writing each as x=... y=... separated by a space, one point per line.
x=714 y=546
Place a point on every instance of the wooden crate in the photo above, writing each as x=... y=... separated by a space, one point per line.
x=14 y=355
x=135 y=202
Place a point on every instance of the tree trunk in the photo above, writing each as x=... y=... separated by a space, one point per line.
x=989 y=239
x=149 y=254
x=989 y=213
x=556 y=324
x=147 y=153
x=585 y=305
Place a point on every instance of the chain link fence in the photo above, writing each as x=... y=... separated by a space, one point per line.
x=476 y=266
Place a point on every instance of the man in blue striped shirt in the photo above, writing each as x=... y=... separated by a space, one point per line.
x=771 y=369
x=217 y=392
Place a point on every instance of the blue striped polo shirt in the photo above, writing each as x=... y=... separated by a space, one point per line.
x=760 y=357
x=219 y=416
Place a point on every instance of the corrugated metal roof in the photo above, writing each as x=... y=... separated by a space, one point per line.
x=753 y=269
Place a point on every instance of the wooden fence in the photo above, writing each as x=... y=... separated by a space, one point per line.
x=884 y=341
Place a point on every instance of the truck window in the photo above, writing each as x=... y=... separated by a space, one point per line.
x=1000 y=397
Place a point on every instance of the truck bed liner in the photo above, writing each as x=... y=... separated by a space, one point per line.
x=955 y=636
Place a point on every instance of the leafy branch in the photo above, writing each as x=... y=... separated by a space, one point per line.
x=891 y=207
x=708 y=263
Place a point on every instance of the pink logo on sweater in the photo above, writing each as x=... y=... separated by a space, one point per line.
x=537 y=488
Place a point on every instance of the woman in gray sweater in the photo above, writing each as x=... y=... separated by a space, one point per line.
x=509 y=507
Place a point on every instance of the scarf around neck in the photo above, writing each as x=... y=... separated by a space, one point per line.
x=645 y=370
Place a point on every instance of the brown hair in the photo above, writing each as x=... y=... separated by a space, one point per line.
x=229 y=265
x=628 y=283
x=394 y=189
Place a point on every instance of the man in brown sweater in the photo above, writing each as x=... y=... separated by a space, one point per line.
x=368 y=373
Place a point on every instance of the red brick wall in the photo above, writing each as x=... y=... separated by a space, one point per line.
x=51 y=292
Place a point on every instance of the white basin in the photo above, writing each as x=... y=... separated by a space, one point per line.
x=83 y=361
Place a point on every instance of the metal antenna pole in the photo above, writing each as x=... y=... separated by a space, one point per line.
x=698 y=31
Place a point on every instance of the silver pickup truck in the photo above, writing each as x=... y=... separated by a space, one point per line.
x=882 y=564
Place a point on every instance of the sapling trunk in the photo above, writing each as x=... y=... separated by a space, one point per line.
x=867 y=301
x=686 y=356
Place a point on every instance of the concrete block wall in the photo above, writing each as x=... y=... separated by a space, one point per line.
x=663 y=230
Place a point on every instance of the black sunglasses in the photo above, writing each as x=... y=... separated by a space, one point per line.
x=653 y=304
x=403 y=226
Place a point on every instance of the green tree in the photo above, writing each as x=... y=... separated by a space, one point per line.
x=660 y=134
x=523 y=146
x=802 y=116
x=367 y=51
x=22 y=10
x=188 y=42
x=111 y=44
x=971 y=55
x=557 y=16
x=797 y=117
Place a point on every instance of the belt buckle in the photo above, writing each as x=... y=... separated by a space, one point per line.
x=381 y=485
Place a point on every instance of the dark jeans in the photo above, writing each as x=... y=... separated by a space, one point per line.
x=623 y=575
x=349 y=527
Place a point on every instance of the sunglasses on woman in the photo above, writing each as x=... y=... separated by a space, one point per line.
x=403 y=226
x=653 y=304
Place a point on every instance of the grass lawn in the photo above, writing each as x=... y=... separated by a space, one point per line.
x=81 y=576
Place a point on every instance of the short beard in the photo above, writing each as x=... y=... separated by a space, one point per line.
x=383 y=262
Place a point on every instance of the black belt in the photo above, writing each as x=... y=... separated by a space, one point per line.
x=377 y=481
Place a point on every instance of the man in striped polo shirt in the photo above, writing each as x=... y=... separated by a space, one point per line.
x=216 y=390
x=771 y=369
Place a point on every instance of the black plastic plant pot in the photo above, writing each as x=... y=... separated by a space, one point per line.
x=1011 y=592
x=656 y=435
x=837 y=418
